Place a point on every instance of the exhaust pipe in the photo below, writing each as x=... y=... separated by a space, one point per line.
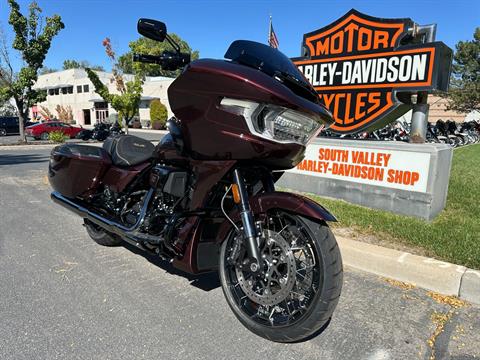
x=129 y=234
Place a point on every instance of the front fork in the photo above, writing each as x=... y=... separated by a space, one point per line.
x=248 y=222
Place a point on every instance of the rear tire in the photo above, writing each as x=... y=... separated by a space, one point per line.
x=319 y=306
x=3 y=132
x=100 y=236
x=44 y=136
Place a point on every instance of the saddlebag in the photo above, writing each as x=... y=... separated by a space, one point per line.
x=77 y=170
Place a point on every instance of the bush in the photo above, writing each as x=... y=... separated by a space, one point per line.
x=158 y=114
x=57 y=137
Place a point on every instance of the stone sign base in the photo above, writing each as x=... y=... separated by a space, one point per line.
x=408 y=179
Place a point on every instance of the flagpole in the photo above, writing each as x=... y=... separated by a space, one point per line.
x=269 y=29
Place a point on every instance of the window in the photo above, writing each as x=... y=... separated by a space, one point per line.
x=79 y=89
x=85 y=88
x=64 y=90
x=70 y=89
x=51 y=92
x=57 y=91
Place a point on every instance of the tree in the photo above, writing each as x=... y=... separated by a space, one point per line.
x=464 y=94
x=152 y=47
x=74 y=64
x=46 y=70
x=33 y=38
x=46 y=113
x=7 y=109
x=158 y=114
x=127 y=101
x=65 y=113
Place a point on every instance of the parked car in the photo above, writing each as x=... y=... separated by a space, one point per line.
x=9 y=125
x=41 y=131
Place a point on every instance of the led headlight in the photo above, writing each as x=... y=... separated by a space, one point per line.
x=274 y=122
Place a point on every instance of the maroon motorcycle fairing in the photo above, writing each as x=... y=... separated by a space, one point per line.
x=211 y=133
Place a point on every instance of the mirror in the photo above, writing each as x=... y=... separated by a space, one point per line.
x=152 y=29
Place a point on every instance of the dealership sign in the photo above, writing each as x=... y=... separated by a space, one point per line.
x=405 y=170
x=365 y=69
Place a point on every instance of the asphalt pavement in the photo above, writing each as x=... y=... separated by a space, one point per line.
x=64 y=297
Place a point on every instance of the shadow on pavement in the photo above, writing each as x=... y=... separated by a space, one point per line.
x=206 y=282
x=22 y=159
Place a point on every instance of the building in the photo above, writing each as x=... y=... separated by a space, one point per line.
x=438 y=111
x=73 y=88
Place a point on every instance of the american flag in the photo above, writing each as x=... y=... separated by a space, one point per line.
x=272 y=37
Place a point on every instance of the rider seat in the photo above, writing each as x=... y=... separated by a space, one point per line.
x=128 y=150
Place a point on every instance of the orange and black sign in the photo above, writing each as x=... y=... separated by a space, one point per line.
x=365 y=69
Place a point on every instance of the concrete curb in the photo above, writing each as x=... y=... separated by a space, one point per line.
x=428 y=273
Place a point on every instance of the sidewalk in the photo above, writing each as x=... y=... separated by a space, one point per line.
x=427 y=273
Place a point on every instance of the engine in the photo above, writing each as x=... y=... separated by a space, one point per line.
x=170 y=196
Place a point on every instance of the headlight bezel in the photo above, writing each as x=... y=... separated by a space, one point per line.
x=255 y=113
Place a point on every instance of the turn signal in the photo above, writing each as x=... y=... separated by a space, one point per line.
x=236 y=194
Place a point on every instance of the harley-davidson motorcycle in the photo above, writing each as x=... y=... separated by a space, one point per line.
x=204 y=198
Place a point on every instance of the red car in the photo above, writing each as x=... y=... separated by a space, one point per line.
x=41 y=131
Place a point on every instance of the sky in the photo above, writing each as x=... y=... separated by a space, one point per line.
x=209 y=26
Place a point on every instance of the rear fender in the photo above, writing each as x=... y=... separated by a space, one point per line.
x=292 y=203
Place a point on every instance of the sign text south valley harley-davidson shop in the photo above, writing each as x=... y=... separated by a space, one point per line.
x=365 y=69
x=395 y=169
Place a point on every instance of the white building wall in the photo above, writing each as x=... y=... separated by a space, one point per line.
x=155 y=87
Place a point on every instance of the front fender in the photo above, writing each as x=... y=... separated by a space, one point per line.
x=289 y=202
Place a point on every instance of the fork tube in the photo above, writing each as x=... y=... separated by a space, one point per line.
x=247 y=219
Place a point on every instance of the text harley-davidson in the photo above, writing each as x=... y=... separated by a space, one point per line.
x=204 y=197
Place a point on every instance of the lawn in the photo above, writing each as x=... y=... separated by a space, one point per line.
x=453 y=236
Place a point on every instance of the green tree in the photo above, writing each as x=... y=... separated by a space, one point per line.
x=7 y=109
x=74 y=64
x=464 y=94
x=46 y=70
x=33 y=38
x=127 y=100
x=158 y=114
x=152 y=47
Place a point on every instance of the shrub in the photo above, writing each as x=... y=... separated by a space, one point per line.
x=158 y=114
x=57 y=136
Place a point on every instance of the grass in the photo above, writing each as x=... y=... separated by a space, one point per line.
x=453 y=236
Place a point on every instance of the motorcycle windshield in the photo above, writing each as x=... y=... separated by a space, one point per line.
x=269 y=61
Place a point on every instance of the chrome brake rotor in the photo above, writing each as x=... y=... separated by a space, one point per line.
x=279 y=269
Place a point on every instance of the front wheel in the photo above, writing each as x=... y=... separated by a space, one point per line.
x=294 y=296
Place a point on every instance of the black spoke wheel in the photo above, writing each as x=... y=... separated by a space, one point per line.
x=299 y=284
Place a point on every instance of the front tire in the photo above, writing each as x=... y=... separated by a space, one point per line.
x=44 y=136
x=100 y=236
x=299 y=303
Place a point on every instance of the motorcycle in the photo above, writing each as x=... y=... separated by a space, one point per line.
x=204 y=198
x=100 y=132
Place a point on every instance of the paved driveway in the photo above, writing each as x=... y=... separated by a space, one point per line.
x=64 y=297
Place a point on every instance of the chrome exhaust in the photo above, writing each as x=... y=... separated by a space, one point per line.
x=129 y=234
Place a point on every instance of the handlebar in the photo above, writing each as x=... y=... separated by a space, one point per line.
x=167 y=60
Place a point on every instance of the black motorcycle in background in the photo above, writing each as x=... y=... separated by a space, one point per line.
x=100 y=132
x=444 y=132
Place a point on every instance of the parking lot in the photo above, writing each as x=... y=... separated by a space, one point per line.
x=64 y=297
x=151 y=135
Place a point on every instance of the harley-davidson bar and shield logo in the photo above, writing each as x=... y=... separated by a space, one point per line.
x=365 y=69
